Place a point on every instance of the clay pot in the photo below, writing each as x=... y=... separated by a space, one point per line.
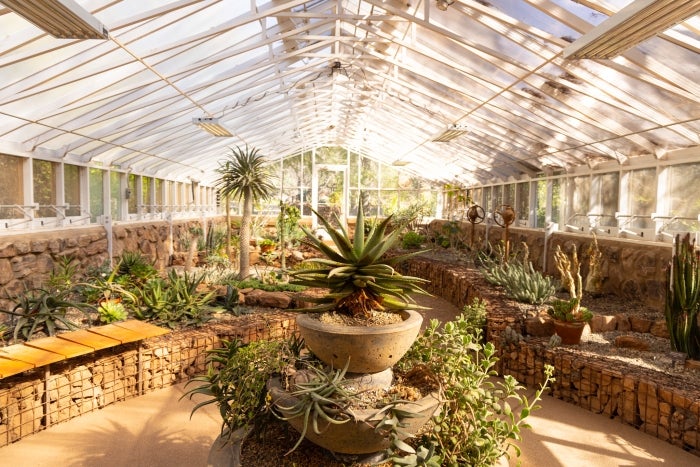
x=569 y=331
x=370 y=349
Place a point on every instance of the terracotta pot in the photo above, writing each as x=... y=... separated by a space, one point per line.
x=370 y=349
x=570 y=332
x=356 y=436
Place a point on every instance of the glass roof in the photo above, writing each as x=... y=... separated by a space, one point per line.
x=382 y=77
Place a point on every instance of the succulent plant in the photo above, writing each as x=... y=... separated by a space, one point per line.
x=359 y=277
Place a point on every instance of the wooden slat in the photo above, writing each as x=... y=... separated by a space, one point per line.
x=12 y=367
x=145 y=329
x=90 y=339
x=60 y=346
x=115 y=332
x=27 y=354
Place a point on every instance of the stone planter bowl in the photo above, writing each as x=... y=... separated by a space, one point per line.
x=356 y=436
x=370 y=349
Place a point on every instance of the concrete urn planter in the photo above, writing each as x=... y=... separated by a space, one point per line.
x=370 y=349
x=357 y=436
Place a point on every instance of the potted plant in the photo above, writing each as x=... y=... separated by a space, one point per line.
x=364 y=292
x=569 y=316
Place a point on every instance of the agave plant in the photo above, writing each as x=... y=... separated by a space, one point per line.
x=359 y=277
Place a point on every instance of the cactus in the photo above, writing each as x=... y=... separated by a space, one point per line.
x=683 y=298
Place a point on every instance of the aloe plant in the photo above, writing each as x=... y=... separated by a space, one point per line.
x=359 y=277
x=683 y=298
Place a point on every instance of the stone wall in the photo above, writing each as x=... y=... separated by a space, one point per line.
x=630 y=268
x=35 y=400
x=27 y=259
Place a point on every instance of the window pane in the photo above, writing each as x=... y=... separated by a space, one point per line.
x=131 y=190
x=159 y=195
x=11 y=181
x=115 y=208
x=605 y=189
x=580 y=201
x=71 y=189
x=684 y=196
x=291 y=177
x=509 y=194
x=523 y=208
x=541 y=203
x=146 y=194
x=556 y=200
x=642 y=197
x=96 y=186
x=331 y=155
x=368 y=178
x=44 y=187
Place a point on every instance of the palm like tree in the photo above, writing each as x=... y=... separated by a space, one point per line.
x=244 y=176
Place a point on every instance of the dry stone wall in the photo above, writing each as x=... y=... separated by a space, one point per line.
x=27 y=259
x=630 y=268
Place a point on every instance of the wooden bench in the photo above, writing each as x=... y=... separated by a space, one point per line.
x=33 y=354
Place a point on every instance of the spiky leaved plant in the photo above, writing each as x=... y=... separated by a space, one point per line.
x=359 y=277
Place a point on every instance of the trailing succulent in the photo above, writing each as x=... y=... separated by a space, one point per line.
x=359 y=278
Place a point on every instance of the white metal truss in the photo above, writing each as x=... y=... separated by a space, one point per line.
x=383 y=77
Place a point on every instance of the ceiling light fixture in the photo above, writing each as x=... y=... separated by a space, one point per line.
x=211 y=126
x=444 y=4
x=451 y=133
x=63 y=19
x=630 y=26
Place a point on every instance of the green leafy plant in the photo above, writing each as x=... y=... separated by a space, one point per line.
x=520 y=280
x=62 y=276
x=359 y=278
x=322 y=398
x=477 y=424
x=111 y=311
x=475 y=314
x=43 y=310
x=236 y=378
x=135 y=267
x=569 y=310
x=683 y=298
x=412 y=240
x=176 y=301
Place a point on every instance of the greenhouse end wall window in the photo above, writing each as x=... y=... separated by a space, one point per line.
x=44 y=184
x=71 y=189
x=12 y=192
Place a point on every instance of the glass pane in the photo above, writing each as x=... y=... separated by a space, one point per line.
x=389 y=202
x=641 y=197
x=580 y=202
x=131 y=194
x=71 y=189
x=115 y=205
x=496 y=197
x=307 y=172
x=477 y=194
x=368 y=177
x=159 y=194
x=11 y=181
x=509 y=194
x=44 y=187
x=523 y=208
x=96 y=186
x=556 y=200
x=291 y=176
x=331 y=155
x=354 y=170
x=605 y=189
x=390 y=177
x=683 y=196
x=488 y=199
x=146 y=194
x=541 y=203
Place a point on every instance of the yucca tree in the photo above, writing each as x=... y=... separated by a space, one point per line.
x=244 y=175
x=359 y=278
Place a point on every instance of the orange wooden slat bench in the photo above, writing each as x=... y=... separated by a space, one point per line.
x=36 y=353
